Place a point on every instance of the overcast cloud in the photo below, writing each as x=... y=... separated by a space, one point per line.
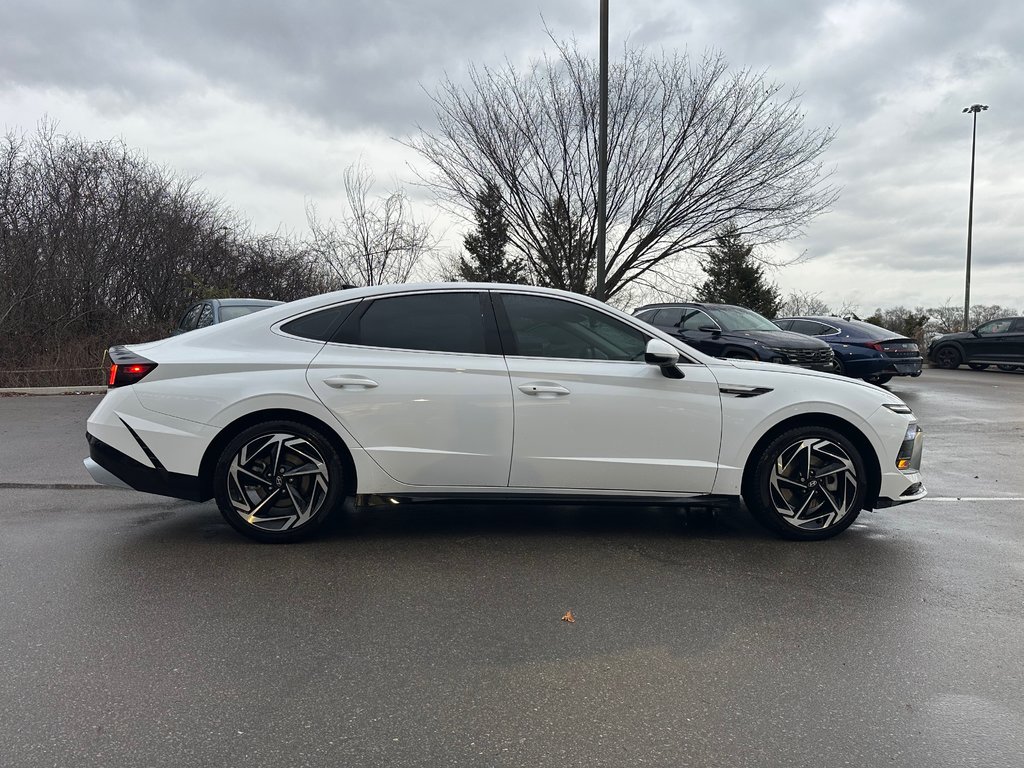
x=269 y=101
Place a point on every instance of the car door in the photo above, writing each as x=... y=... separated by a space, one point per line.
x=591 y=415
x=993 y=341
x=419 y=381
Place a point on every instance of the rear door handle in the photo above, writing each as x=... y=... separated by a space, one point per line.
x=543 y=389
x=350 y=382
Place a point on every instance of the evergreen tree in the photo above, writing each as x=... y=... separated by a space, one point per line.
x=735 y=277
x=486 y=246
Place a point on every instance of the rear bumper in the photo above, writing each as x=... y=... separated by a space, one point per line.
x=109 y=466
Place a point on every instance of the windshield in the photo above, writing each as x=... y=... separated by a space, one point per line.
x=740 y=319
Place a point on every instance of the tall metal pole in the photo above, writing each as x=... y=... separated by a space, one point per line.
x=974 y=109
x=602 y=156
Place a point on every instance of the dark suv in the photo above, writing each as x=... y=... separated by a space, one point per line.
x=725 y=330
x=997 y=342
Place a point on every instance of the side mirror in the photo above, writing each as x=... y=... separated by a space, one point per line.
x=714 y=330
x=665 y=356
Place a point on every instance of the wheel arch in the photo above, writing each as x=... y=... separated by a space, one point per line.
x=213 y=450
x=840 y=425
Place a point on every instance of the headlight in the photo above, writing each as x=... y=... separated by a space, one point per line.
x=899 y=408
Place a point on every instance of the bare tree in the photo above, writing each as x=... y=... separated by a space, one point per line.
x=691 y=148
x=804 y=303
x=375 y=241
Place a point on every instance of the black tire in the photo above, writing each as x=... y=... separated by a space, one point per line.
x=879 y=380
x=978 y=366
x=947 y=357
x=1006 y=367
x=838 y=368
x=806 y=508
x=292 y=462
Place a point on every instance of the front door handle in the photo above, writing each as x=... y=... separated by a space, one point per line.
x=350 y=382
x=544 y=389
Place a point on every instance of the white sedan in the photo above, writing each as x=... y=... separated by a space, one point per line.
x=480 y=390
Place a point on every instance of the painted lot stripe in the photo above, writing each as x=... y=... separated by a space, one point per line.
x=973 y=498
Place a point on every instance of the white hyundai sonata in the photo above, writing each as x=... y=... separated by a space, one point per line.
x=482 y=390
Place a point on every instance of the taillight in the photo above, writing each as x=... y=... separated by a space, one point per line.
x=126 y=367
x=876 y=345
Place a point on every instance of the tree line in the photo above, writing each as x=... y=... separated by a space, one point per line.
x=98 y=245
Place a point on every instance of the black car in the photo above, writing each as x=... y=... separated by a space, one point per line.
x=997 y=342
x=725 y=330
x=213 y=311
x=862 y=350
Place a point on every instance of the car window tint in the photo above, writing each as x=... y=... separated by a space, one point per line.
x=694 y=319
x=205 y=316
x=319 y=326
x=668 y=317
x=1018 y=325
x=545 y=327
x=435 y=322
x=995 y=327
x=188 y=322
x=784 y=324
x=808 y=327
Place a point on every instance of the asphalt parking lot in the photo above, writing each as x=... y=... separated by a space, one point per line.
x=142 y=631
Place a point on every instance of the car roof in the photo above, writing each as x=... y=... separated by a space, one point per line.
x=246 y=302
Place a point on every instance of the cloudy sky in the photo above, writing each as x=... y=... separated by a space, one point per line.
x=268 y=102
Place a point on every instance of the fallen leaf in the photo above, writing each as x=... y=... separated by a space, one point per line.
x=569 y=617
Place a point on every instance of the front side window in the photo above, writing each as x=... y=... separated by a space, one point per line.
x=546 y=327
x=433 y=322
x=188 y=322
x=741 y=319
x=995 y=327
x=694 y=320
x=669 y=317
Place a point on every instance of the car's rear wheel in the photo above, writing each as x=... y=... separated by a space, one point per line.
x=977 y=366
x=948 y=357
x=279 y=482
x=808 y=483
x=1008 y=367
x=838 y=367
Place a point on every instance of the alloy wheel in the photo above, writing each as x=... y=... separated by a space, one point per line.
x=277 y=482
x=813 y=484
x=947 y=357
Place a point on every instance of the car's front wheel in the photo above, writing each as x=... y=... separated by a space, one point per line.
x=808 y=483
x=879 y=380
x=977 y=366
x=279 y=481
x=948 y=357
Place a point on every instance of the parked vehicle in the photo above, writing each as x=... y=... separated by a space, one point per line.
x=213 y=311
x=861 y=350
x=410 y=392
x=725 y=330
x=997 y=342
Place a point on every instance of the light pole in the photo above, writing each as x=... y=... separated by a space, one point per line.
x=602 y=155
x=974 y=109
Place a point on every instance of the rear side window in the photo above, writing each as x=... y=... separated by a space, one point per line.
x=433 y=322
x=808 y=327
x=319 y=326
x=188 y=322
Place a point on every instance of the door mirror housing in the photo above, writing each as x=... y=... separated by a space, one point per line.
x=665 y=356
x=714 y=330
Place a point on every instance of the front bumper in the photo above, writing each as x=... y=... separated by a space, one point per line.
x=109 y=466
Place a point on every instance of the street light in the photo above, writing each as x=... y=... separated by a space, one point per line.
x=974 y=109
x=602 y=155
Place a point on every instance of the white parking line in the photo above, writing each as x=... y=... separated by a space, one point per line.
x=973 y=498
